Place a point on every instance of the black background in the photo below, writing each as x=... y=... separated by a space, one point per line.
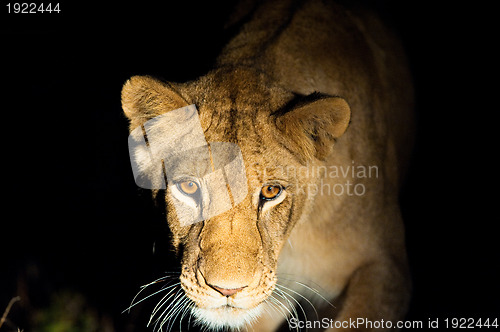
x=74 y=219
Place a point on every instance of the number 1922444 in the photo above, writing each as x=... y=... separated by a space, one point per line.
x=470 y=323
x=33 y=8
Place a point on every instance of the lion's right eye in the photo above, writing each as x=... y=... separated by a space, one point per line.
x=270 y=192
x=188 y=188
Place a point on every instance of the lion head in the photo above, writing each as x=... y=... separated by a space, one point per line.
x=229 y=260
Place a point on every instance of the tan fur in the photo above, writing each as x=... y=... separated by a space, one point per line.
x=348 y=247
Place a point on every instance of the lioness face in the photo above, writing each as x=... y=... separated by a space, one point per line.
x=229 y=260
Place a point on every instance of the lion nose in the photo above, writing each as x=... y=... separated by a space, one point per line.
x=227 y=292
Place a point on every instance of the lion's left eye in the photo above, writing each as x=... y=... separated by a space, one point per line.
x=270 y=192
x=188 y=188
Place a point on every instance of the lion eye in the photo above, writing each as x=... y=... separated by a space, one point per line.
x=188 y=188
x=270 y=192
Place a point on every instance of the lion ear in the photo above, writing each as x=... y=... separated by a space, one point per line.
x=144 y=98
x=311 y=126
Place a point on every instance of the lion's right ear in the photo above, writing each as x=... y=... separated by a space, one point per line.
x=144 y=98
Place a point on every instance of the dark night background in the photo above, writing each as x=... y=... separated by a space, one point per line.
x=73 y=219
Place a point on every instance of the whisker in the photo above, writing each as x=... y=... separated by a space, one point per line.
x=168 y=309
x=143 y=287
x=191 y=306
x=162 y=302
x=279 y=305
x=176 y=312
x=313 y=290
x=170 y=312
x=136 y=303
x=302 y=296
x=293 y=312
x=186 y=309
x=275 y=306
x=297 y=302
x=166 y=297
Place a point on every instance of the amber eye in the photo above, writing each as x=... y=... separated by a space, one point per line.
x=270 y=192
x=188 y=187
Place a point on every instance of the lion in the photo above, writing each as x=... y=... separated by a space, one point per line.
x=314 y=94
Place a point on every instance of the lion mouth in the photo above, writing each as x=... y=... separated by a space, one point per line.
x=223 y=306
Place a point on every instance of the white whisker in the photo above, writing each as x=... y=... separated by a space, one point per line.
x=295 y=300
x=293 y=312
x=186 y=309
x=136 y=303
x=168 y=309
x=302 y=296
x=276 y=307
x=143 y=287
x=313 y=290
x=191 y=306
x=176 y=312
x=164 y=301
x=279 y=305
x=169 y=313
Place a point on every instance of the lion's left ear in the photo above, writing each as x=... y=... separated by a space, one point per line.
x=312 y=125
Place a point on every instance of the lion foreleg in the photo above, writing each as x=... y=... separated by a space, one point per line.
x=376 y=298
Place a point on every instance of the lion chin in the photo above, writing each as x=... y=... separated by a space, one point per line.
x=223 y=317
